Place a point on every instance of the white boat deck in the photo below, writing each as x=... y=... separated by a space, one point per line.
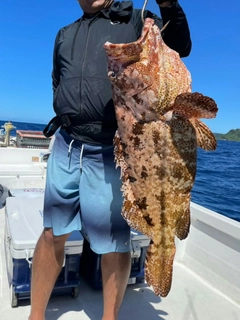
x=206 y=279
x=191 y=298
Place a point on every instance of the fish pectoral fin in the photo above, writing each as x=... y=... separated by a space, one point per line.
x=159 y=267
x=205 y=138
x=194 y=105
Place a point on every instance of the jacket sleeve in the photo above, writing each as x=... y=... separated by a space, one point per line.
x=177 y=34
x=55 y=70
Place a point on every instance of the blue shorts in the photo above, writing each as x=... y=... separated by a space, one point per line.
x=83 y=193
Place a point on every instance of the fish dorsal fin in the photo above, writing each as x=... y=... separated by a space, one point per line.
x=194 y=105
x=205 y=138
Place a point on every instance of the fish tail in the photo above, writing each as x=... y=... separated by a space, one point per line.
x=159 y=268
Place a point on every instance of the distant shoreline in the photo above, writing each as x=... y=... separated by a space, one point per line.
x=232 y=135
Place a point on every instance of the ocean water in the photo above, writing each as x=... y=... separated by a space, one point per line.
x=217 y=183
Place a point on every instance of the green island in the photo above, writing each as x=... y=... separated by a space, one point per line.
x=232 y=135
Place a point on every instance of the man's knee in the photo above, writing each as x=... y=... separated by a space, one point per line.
x=116 y=258
x=51 y=239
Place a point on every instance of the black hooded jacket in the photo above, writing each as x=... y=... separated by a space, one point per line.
x=82 y=91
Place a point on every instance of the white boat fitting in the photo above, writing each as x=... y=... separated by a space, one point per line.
x=206 y=275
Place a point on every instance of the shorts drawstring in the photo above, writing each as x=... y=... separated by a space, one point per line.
x=70 y=152
x=81 y=155
x=70 y=147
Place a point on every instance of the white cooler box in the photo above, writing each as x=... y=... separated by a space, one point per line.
x=23 y=226
x=27 y=192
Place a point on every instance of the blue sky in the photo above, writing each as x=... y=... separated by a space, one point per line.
x=27 y=33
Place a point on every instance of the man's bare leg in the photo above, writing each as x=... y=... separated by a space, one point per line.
x=47 y=264
x=115 y=274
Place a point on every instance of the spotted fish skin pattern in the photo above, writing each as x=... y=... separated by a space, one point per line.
x=156 y=144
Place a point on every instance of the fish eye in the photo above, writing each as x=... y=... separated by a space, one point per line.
x=112 y=74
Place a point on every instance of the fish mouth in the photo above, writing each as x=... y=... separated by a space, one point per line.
x=146 y=28
x=128 y=51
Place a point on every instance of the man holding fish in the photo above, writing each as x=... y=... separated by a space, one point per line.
x=83 y=187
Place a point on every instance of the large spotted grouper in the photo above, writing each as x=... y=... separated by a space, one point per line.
x=156 y=144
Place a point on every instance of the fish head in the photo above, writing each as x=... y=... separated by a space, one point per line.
x=146 y=75
x=130 y=74
x=124 y=65
x=122 y=59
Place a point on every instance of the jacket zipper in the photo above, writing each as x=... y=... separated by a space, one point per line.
x=74 y=39
x=83 y=62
